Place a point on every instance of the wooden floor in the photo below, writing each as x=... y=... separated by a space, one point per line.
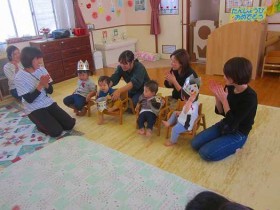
x=267 y=88
x=250 y=177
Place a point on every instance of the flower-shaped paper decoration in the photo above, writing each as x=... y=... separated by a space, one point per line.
x=89 y=5
x=130 y=3
x=108 y=18
x=94 y=15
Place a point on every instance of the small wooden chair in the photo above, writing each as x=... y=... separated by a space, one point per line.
x=126 y=103
x=200 y=121
x=271 y=62
x=161 y=116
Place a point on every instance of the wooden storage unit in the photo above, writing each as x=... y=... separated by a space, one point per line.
x=62 y=55
x=238 y=39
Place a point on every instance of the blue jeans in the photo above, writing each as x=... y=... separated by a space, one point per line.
x=15 y=94
x=75 y=100
x=214 y=146
x=177 y=129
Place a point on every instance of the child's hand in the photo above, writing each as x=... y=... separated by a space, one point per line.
x=192 y=97
x=88 y=98
x=177 y=113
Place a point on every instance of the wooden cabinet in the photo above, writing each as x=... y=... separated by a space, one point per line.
x=62 y=55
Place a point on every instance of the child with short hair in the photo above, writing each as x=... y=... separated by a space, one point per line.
x=184 y=119
x=150 y=106
x=106 y=91
x=85 y=90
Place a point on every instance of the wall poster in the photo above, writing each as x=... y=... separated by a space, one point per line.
x=237 y=3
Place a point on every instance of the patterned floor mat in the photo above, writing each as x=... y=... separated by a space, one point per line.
x=19 y=136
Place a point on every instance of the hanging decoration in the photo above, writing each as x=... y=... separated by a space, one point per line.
x=93 y=1
x=130 y=3
x=273 y=6
x=108 y=18
x=120 y=3
x=94 y=15
x=100 y=7
x=89 y=5
x=112 y=6
x=118 y=12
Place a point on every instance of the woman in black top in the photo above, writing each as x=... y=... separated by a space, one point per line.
x=237 y=102
x=180 y=70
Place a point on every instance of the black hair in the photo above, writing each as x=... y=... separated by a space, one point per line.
x=239 y=69
x=126 y=57
x=183 y=58
x=10 y=50
x=206 y=200
x=28 y=54
x=234 y=206
x=152 y=85
x=104 y=79
x=83 y=72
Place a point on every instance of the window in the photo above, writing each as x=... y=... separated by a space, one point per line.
x=25 y=18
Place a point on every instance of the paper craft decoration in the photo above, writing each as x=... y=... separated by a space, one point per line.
x=108 y=18
x=247 y=14
x=94 y=15
x=120 y=3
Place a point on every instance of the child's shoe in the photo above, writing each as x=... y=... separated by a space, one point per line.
x=141 y=131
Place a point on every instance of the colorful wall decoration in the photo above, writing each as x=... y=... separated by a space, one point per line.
x=237 y=3
x=169 y=7
x=247 y=14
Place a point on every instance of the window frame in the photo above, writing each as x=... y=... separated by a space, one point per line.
x=34 y=18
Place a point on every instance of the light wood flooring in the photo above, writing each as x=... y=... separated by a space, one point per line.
x=267 y=88
x=250 y=177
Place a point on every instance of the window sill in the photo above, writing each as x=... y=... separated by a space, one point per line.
x=22 y=39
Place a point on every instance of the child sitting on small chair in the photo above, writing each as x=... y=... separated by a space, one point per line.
x=184 y=119
x=150 y=106
x=85 y=90
x=106 y=91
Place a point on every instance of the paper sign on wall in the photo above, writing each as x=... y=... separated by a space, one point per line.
x=247 y=14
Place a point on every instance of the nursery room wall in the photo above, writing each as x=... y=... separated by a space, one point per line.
x=135 y=23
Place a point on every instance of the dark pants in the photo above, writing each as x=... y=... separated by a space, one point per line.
x=148 y=117
x=15 y=94
x=135 y=97
x=52 y=120
x=75 y=100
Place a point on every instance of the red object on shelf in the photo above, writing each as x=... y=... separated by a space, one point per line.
x=79 y=31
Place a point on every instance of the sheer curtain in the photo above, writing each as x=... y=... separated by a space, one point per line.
x=64 y=13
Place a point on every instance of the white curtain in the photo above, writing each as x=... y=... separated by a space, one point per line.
x=64 y=14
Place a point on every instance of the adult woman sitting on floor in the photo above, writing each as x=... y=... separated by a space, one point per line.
x=180 y=71
x=11 y=68
x=34 y=84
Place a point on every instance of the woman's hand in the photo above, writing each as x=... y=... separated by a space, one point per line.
x=170 y=77
x=44 y=80
x=116 y=95
x=213 y=86
x=221 y=94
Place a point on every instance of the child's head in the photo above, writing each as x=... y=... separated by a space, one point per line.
x=206 y=200
x=104 y=83
x=150 y=88
x=83 y=70
x=238 y=70
x=190 y=87
x=31 y=57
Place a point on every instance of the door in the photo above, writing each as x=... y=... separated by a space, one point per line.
x=201 y=18
x=171 y=27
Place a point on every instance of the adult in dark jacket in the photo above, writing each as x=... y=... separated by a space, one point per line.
x=134 y=74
